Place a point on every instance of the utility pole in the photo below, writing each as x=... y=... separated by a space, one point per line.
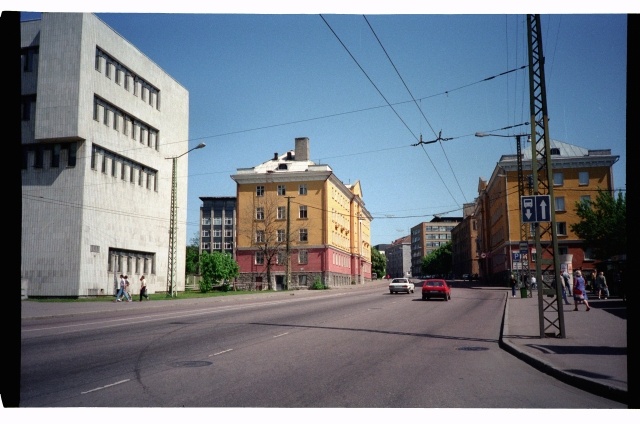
x=550 y=313
x=288 y=271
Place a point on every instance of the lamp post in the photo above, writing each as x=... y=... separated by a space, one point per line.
x=524 y=266
x=173 y=225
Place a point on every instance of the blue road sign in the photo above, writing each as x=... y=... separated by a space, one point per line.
x=535 y=208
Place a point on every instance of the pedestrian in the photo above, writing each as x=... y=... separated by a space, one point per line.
x=126 y=288
x=143 y=289
x=534 y=285
x=121 y=289
x=514 y=283
x=580 y=291
x=601 y=286
x=566 y=287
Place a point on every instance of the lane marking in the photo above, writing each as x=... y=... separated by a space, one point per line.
x=280 y=335
x=104 y=387
x=220 y=353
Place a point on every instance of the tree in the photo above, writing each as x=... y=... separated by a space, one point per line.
x=269 y=230
x=603 y=225
x=440 y=261
x=378 y=262
x=193 y=249
x=216 y=268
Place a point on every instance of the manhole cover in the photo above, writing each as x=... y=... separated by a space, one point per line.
x=191 y=364
x=473 y=348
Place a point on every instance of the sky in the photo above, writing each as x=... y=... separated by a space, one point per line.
x=365 y=85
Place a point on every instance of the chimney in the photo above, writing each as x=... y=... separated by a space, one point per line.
x=302 y=149
x=275 y=156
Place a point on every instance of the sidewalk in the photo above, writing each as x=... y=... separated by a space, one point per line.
x=592 y=356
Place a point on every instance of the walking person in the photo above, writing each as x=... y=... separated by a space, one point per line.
x=580 y=291
x=566 y=287
x=601 y=286
x=143 y=289
x=126 y=288
x=121 y=290
x=513 y=285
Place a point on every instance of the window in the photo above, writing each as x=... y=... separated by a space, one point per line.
x=55 y=156
x=206 y=221
x=280 y=236
x=585 y=199
x=217 y=233
x=303 y=256
x=260 y=213
x=303 y=234
x=205 y=246
x=205 y=233
x=259 y=258
x=228 y=233
x=281 y=258
x=217 y=221
x=563 y=250
x=303 y=212
x=588 y=254
x=560 y=204
x=281 y=190
x=260 y=191
x=583 y=178
x=260 y=236
x=302 y=189
x=104 y=163
x=123 y=173
x=558 y=178
x=282 y=214
x=561 y=228
x=228 y=221
x=216 y=245
x=228 y=245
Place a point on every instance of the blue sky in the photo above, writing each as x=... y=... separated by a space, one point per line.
x=363 y=85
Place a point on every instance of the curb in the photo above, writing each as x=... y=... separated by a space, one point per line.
x=582 y=383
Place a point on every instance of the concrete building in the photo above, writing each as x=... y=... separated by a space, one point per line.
x=429 y=236
x=298 y=223
x=398 y=255
x=99 y=120
x=218 y=225
x=464 y=247
x=578 y=173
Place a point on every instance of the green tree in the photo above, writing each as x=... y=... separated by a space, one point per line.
x=193 y=249
x=440 y=261
x=217 y=268
x=378 y=263
x=603 y=225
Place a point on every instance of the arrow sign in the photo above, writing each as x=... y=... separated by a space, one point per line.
x=543 y=205
x=535 y=208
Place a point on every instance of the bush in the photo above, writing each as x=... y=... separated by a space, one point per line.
x=318 y=285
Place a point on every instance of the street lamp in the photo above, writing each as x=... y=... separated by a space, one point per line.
x=173 y=225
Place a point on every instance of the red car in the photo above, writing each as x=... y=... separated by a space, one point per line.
x=435 y=288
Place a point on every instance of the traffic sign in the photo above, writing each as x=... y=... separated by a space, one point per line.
x=535 y=208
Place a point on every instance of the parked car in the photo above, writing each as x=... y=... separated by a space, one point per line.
x=401 y=285
x=435 y=288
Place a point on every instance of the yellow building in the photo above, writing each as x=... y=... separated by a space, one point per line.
x=578 y=173
x=298 y=223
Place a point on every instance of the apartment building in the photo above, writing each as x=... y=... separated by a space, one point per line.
x=464 y=248
x=218 y=225
x=99 y=120
x=429 y=236
x=398 y=255
x=578 y=173
x=298 y=223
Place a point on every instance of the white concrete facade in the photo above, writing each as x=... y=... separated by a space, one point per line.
x=99 y=121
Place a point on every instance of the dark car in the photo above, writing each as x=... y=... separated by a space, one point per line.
x=435 y=288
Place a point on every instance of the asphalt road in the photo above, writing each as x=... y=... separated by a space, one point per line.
x=360 y=348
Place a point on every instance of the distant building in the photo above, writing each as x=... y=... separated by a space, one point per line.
x=464 y=248
x=218 y=225
x=578 y=173
x=99 y=120
x=429 y=236
x=298 y=223
x=398 y=255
